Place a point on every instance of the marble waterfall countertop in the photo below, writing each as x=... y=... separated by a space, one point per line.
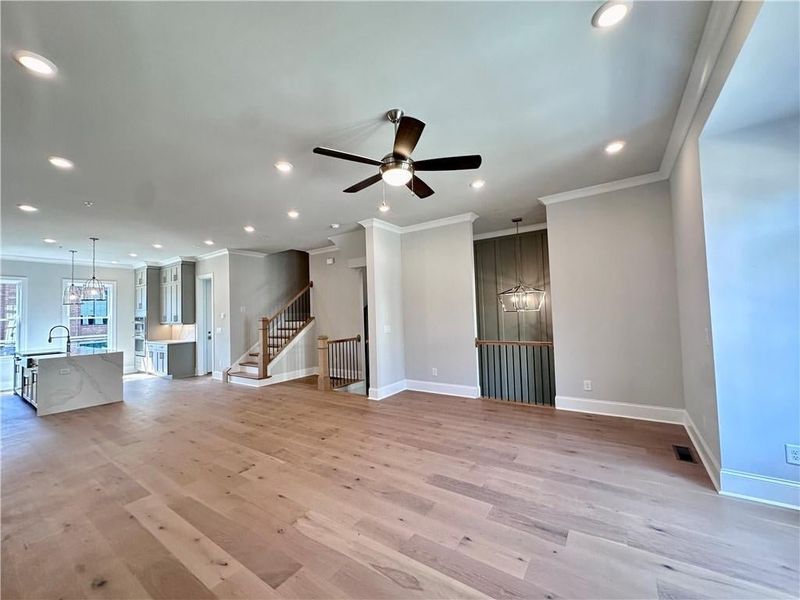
x=77 y=381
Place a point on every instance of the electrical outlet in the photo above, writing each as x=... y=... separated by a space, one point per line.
x=587 y=385
x=793 y=454
x=435 y=372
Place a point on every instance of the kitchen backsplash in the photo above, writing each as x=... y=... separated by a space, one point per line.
x=184 y=332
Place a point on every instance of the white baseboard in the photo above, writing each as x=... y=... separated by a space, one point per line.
x=643 y=412
x=703 y=450
x=128 y=369
x=760 y=488
x=387 y=390
x=216 y=375
x=445 y=389
x=282 y=377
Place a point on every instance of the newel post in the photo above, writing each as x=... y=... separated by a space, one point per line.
x=324 y=378
x=263 y=342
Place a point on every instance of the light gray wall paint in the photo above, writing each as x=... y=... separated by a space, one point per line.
x=615 y=312
x=338 y=293
x=44 y=296
x=218 y=266
x=699 y=389
x=384 y=283
x=259 y=286
x=751 y=198
x=439 y=305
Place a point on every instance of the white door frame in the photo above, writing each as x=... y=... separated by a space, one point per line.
x=202 y=326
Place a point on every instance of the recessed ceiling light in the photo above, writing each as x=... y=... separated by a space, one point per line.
x=283 y=166
x=88 y=204
x=49 y=241
x=293 y=214
x=610 y=13
x=209 y=242
x=383 y=208
x=132 y=254
x=477 y=184
x=249 y=228
x=27 y=208
x=615 y=147
x=35 y=63
x=60 y=162
x=114 y=262
x=157 y=246
x=335 y=226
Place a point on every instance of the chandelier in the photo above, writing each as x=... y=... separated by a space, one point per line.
x=74 y=293
x=93 y=289
x=521 y=297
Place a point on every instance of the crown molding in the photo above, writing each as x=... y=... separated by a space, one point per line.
x=226 y=252
x=721 y=17
x=509 y=231
x=65 y=261
x=250 y=253
x=604 y=188
x=324 y=250
x=379 y=224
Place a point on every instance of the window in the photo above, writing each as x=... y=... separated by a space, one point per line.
x=91 y=323
x=10 y=304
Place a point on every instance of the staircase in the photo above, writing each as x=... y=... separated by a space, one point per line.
x=276 y=333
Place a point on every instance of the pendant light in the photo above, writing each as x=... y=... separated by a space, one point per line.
x=74 y=293
x=521 y=297
x=93 y=289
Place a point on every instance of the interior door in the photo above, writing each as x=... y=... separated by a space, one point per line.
x=208 y=324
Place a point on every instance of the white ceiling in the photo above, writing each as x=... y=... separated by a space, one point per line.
x=174 y=114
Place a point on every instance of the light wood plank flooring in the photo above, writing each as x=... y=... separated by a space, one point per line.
x=195 y=489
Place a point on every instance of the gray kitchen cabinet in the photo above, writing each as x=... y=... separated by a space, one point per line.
x=176 y=359
x=178 y=293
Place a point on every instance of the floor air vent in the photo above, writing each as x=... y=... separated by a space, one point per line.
x=683 y=453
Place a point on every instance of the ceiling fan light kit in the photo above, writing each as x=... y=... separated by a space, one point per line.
x=398 y=168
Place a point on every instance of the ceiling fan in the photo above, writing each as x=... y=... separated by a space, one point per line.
x=397 y=168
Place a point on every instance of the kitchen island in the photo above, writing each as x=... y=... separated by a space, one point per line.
x=57 y=382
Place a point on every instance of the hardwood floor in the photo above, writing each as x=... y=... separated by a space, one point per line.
x=195 y=489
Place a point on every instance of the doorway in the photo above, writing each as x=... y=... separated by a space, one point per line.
x=205 y=324
x=12 y=291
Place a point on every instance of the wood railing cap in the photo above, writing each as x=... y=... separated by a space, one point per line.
x=511 y=343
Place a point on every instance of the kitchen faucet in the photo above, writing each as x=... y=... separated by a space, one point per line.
x=50 y=335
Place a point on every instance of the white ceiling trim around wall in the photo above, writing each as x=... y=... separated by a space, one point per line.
x=603 y=188
x=66 y=261
x=509 y=231
x=379 y=224
x=721 y=16
x=324 y=250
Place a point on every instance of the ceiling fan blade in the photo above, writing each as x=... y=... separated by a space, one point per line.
x=363 y=184
x=450 y=163
x=419 y=187
x=407 y=136
x=346 y=156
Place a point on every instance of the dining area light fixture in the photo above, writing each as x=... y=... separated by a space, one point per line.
x=73 y=294
x=522 y=297
x=94 y=289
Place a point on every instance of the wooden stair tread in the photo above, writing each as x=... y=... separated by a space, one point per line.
x=245 y=375
x=248 y=363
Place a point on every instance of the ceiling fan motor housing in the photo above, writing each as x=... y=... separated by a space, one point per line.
x=396 y=171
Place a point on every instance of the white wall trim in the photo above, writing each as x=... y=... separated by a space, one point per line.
x=643 y=412
x=760 y=488
x=703 y=450
x=324 y=250
x=379 y=224
x=387 y=390
x=213 y=254
x=444 y=389
x=216 y=375
x=66 y=261
x=509 y=231
x=604 y=188
x=250 y=253
x=280 y=378
x=357 y=263
x=718 y=24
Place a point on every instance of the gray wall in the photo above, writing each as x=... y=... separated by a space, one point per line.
x=495 y=271
x=751 y=198
x=259 y=286
x=44 y=297
x=385 y=284
x=438 y=291
x=699 y=388
x=615 y=311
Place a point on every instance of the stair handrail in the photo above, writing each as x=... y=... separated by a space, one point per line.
x=289 y=303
